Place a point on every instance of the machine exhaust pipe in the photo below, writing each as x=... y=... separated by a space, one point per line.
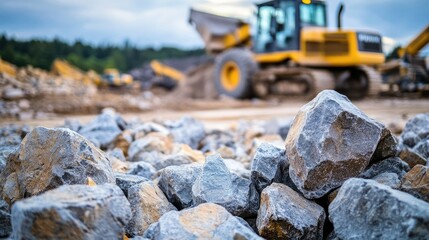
x=340 y=12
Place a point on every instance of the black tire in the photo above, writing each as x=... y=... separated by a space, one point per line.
x=243 y=59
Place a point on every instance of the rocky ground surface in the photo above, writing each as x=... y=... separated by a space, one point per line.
x=331 y=173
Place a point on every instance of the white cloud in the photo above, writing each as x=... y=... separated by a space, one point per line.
x=165 y=22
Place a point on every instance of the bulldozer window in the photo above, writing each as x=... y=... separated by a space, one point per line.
x=313 y=15
x=264 y=38
x=276 y=28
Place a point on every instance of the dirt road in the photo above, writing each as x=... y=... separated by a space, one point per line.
x=388 y=111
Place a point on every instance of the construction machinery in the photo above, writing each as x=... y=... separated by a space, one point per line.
x=409 y=72
x=112 y=77
x=7 y=68
x=64 y=69
x=291 y=51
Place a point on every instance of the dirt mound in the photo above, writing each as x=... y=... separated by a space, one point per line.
x=199 y=83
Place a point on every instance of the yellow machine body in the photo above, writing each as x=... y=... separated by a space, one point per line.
x=324 y=48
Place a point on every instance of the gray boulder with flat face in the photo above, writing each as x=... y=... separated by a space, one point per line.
x=125 y=181
x=206 y=221
x=10 y=139
x=285 y=214
x=389 y=165
x=48 y=158
x=187 y=130
x=416 y=130
x=268 y=164
x=422 y=148
x=72 y=212
x=365 y=209
x=102 y=130
x=176 y=183
x=142 y=169
x=331 y=141
x=217 y=185
x=5 y=224
x=148 y=203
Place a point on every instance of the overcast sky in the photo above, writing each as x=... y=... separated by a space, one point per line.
x=164 y=22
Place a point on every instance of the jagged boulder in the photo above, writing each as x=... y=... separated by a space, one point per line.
x=176 y=183
x=72 y=212
x=187 y=130
x=422 y=149
x=416 y=130
x=48 y=158
x=216 y=184
x=206 y=221
x=5 y=224
x=142 y=169
x=153 y=143
x=365 y=209
x=412 y=158
x=103 y=130
x=269 y=165
x=148 y=203
x=330 y=141
x=285 y=214
x=416 y=182
x=125 y=181
x=389 y=165
x=10 y=138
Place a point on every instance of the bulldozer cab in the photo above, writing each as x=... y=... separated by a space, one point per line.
x=279 y=23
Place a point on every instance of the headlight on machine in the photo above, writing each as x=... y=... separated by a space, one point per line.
x=369 y=42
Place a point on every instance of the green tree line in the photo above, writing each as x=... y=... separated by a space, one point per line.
x=41 y=53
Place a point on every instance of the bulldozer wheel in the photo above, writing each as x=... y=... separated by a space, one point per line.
x=233 y=72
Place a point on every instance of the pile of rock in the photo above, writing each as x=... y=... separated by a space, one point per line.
x=338 y=174
x=29 y=83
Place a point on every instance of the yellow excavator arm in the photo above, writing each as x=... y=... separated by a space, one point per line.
x=419 y=42
x=163 y=70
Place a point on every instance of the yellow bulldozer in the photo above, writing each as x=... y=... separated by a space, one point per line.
x=112 y=77
x=409 y=72
x=65 y=69
x=291 y=51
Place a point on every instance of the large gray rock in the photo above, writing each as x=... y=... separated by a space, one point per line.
x=330 y=141
x=422 y=149
x=389 y=165
x=48 y=158
x=285 y=214
x=72 y=212
x=5 y=224
x=125 y=181
x=148 y=204
x=269 y=165
x=389 y=179
x=171 y=160
x=216 y=139
x=10 y=138
x=142 y=169
x=416 y=130
x=187 y=130
x=176 y=183
x=217 y=185
x=365 y=209
x=155 y=144
x=206 y=221
x=416 y=182
x=102 y=130
x=237 y=167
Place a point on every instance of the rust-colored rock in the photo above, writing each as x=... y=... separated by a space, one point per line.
x=416 y=182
